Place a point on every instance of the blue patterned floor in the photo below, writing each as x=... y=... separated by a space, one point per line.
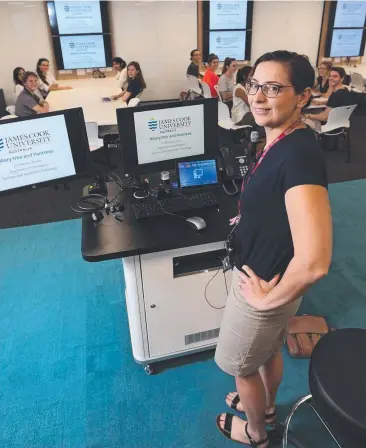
x=67 y=377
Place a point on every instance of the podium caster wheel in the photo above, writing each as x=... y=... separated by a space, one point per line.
x=149 y=369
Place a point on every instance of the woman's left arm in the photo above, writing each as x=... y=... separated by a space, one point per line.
x=310 y=219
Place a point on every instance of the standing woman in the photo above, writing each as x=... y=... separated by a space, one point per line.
x=210 y=76
x=46 y=82
x=240 y=97
x=227 y=80
x=135 y=83
x=282 y=244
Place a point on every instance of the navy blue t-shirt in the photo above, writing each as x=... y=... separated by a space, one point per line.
x=135 y=87
x=262 y=239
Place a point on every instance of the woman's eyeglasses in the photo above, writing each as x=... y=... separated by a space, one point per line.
x=268 y=90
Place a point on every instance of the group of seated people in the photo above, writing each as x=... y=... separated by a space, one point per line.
x=332 y=86
x=31 y=88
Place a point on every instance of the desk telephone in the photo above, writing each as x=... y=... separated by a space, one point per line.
x=234 y=168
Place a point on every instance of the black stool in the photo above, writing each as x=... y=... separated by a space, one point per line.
x=337 y=378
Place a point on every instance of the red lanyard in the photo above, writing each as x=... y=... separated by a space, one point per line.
x=265 y=151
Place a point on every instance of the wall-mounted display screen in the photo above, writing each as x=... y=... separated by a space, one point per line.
x=83 y=51
x=346 y=43
x=350 y=14
x=228 y=44
x=78 y=17
x=226 y=15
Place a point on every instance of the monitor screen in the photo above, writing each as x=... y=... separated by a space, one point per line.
x=350 y=14
x=169 y=134
x=42 y=149
x=346 y=42
x=154 y=136
x=228 y=15
x=78 y=17
x=228 y=44
x=197 y=173
x=89 y=51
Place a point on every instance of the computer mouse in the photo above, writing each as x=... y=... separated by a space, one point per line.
x=197 y=222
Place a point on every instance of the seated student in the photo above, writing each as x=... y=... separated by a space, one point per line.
x=322 y=82
x=240 y=97
x=227 y=80
x=210 y=77
x=135 y=82
x=46 y=82
x=340 y=96
x=28 y=103
x=193 y=68
x=121 y=68
x=18 y=74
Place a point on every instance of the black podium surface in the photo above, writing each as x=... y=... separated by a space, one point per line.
x=110 y=239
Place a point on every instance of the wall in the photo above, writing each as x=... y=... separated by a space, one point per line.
x=158 y=34
x=283 y=25
x=24 y=37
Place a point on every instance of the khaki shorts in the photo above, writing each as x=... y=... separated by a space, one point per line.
x=248 y=337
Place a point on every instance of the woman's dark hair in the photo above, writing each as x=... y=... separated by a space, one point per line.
x=227 y=64
x=340 y=70
x=39 y=71
x=301 y=73
x=28 y=75
x=16 y=72
x=120 y=61
x=193 y=51
x=139 y=75
x=243 y=74
x=211 y=57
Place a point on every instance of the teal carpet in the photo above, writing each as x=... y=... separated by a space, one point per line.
x=67 y=377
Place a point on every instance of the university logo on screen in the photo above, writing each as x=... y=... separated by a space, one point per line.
x=78 y=8
x=169 y=124
x=24 y=142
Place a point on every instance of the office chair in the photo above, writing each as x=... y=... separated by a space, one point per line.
x=357 y=81
x=134 y=102
x=218 y=93
x=193 y=85
x=206 y=89
x=337 y=387
x=11 y=109
x=92 y=132
x=338 y=122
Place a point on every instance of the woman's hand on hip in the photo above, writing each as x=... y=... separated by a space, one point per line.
x=254 y=289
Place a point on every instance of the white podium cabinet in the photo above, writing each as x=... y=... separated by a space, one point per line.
x=175 y=301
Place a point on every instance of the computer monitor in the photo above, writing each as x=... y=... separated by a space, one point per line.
x=154 y=137
x=41 y=150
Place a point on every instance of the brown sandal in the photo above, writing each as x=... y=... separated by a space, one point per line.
x=226 y=431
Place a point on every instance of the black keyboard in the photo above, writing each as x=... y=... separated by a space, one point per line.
x=174 y=205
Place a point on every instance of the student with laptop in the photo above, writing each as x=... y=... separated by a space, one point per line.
x=135 y=83
x=28 y=103
x=240 y=97
x=341 y=96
